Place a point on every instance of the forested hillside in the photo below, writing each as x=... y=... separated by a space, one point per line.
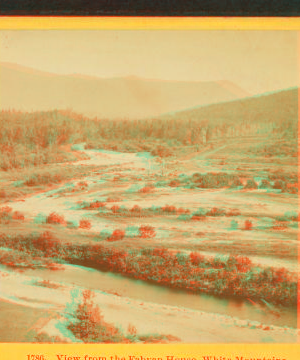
x=38 y=137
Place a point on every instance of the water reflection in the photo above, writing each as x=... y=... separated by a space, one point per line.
x=137 y=289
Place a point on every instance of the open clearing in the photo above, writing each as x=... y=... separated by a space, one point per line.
x=116 y=180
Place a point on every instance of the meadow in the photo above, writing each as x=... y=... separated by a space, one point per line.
x=203 y=202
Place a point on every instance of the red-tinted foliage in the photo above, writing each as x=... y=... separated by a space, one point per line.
x=136 y=208
x=279 y=184
x=181 y=211
x=196 y=258
x=3 y=194
x=17 y=215
x=5 y=214
x=47 y=235
x=117 y=235
x=198 y=217
x=280 y=225
x=147 y=189
x=248 y=225
x=115 y=208
x=5 y=209
x=55 y=218
x=85 y=224
x=164 y=253
x=109 y=199
x=169 y=209
x=243 y=263
x=174 y=183
x=46 y=242
x=281 y=275
x=161 y=151
x=82 y=185
x=216 y=212
x=220 y=275
x=131 y=330
x=233 y=212
x=147 y=231
x=97 y=204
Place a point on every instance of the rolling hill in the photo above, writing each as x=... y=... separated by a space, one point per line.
x=27 y=89
x=276 y=110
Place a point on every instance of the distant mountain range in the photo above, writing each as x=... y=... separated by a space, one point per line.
x=26 y=89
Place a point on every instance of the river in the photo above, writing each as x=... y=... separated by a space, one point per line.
x=143 y=291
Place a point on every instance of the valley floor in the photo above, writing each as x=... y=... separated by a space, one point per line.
x=40 y=300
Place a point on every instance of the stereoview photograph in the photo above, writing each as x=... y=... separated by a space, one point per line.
x=149 y=186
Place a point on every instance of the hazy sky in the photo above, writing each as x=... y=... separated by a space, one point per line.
x=257 y=61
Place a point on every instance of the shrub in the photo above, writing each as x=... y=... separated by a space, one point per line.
x=280 y=225
x=112 y=199
x=174 y=183
x=5 y=210
x=234 y=225
x=83 y=185
x=216 y=212
x=161 y=151
x=47 y=235
x=5 y=214
x=281 y=275
x=164 y=253
x=90 y=325
x=115 y=209
x=169 y=209
x=17 y=215
x=85 y=224
x=185 y=217
x=46 y=242
x=45 y=338
x=243 y=263
x=117 y=235
x=136 y=209
x=248 y=225
x=251 y=184
x=131 y=330
x=96 y=205
x=42 y=179
x=147 y=189
x=279 y=185
x=292 y=189
x=197 y=217
x=55 y=218
x=196 y=258
x=181 y=211
x=147 y=231
x=181 y=258
x=292 y=215
x=233 y=212
x=265 y=184
x=236 y=183
x=201 y=212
